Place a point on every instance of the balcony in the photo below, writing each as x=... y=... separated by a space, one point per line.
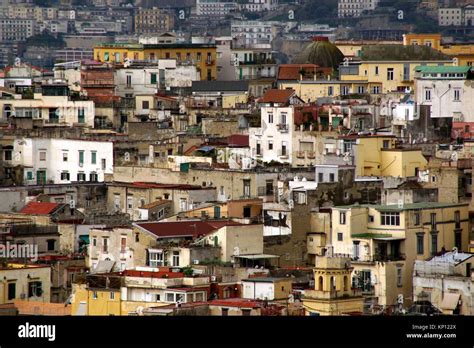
x=300 y=154
x=311 y=154
x=283 y=153
x=334 y=294
x=283 y=127
x=210 y=62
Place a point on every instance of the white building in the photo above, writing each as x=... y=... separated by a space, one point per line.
x=61 y=161
x=147 y=78
x=52 y=106
x=446 y=281
x=279 y=139
x=16 y=29
x=450 y=16
x=258 y=5
x=448 y=90
x=352 y=8
x=256 y=34
x=215 y=8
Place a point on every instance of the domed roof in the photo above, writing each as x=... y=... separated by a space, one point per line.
x=321 y=52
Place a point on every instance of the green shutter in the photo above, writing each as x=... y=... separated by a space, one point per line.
x=153 y=78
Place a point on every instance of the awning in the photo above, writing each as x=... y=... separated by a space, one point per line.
x=206 y=148
x=85 y=238
x=450 y=301
x=257 y=256
x=389 y=238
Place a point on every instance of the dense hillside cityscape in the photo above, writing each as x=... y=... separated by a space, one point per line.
x=236 y=158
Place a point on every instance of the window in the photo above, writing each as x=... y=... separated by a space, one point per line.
x=246 y=183
x=35 y=289
x=320 y=177
x=170 y=297
x=340 y=236
x=29 y=175
x=259 y=147
x=376 y=70
x=342 y=217
x=129 y=81
x=42 y=155
x=330 y=91
x=457 y=219
x=145 y=105
x=176 y=258
x=153 y=78
x=81 y=116
x=434 y=243
x=65 y=176
x=399 y=277
x=65 y=156
x=376 y=89
x=270 y=118
x=94 y=295
x=112 y=295
x=420 y=244
x=390 y=74
x=331 y=177
x=94 y=242
x=433 y=221
x=283 y=148
x=246 y=312
x=386 y=144
x=417 y=218
x=104 y=162
x=105 y=245
x=93 y=157
x=270 y=144
x=427 y=94
x=157 y=298
x=225 y=312
x=390 y=219
x=129 y=202
x=457 y=94
x=81 y=158
x=371 y=218
x=156 y=259
x=81 y=176
x=8 y=155
x=11 y=291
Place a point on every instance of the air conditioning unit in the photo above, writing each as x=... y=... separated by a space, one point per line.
x=196 y=262
x=213 y=278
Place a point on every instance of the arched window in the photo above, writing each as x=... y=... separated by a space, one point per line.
x=320 y=284
x=346 y=283
x=333 y=284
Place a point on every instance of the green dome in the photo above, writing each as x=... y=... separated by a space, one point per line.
x=321 y=52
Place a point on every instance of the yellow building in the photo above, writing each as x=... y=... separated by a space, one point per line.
x=430 y=40
x=383 y=76
x=310 y=90
x=128 y=292
x=25 y=282
x=202 y=55
x=333 y=293
x=379 y=156
x=464 y=52
x=385 y=240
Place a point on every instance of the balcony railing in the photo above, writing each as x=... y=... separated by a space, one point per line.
x=311 y=154
x=300 y=154
x=283 y=127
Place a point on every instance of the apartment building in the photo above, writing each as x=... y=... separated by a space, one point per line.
x=59 y=160
x=385 y=240
x=153 y=20
x=355 y=8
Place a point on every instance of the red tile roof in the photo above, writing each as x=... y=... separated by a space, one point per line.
x=236 y=302
x=184 y=228
x=238 y=140
x=277 y=96
x=292 y=71
x=39 y=208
